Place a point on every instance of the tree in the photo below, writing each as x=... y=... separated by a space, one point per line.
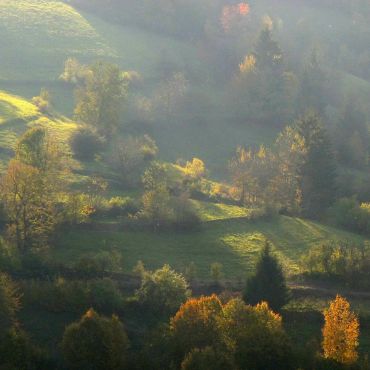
x=205 y=359
x=131 y=156
x=74 y=72
x=340 y=332
x=86 y=143
x=195 y=325
x=9 y=303
x=265 y=90
x=171 y=94
x=252 y=172
x=28 y=205
x=289 y=149
x=195 y=169
x=268 y=283
x=312 y=87
x=317 y=174
x=37 y=148
x=255 y=336
x=163 y=291
x=95 y=343
x=100 y=98
x=351 y=136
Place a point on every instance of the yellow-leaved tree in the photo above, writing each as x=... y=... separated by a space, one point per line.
x=340 y=332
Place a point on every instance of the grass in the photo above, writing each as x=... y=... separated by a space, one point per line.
x=219 y=211
x=234 y=243
x=17 y=115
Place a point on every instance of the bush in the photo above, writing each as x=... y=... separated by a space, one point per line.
x=95 y=266
x=105 y=295
x=163 y=291
x=121 y=207
x=95 y=342
x=9 y=303
x=86 y=143
x=205 y=359
x=350 y=214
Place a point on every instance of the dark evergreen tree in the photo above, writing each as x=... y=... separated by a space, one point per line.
x=312 y=87
x=268 y=283
x=267 y=52
x=318 y=172
x=351 y=137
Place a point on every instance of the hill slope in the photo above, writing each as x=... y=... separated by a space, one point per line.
x=17 y=115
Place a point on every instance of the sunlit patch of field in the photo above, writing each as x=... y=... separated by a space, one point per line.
x=219 y=211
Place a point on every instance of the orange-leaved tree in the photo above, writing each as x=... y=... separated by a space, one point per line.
x=340 y=332
x=196 y=324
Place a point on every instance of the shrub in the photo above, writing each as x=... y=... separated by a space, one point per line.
x=118 y=206
x=205 y=359
x=43 y=101
x=163 y=291
x=86 y=143
x=350 y=214
x=95 y=340
x=105 y=295
x=9 y=302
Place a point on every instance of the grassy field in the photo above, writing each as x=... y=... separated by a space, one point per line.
x=234 y=243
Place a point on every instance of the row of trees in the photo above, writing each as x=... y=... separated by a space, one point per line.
x=205 y=333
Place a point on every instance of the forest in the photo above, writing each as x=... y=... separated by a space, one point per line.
x=184 y=185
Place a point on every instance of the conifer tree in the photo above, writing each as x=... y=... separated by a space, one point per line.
x=318 y=172
x=268 y=283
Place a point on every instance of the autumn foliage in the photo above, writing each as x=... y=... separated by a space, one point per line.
x=195 y=324
x=340 y=332
x=233 y=14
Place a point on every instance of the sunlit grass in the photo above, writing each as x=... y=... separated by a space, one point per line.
x=17 y=115
x=218 y=211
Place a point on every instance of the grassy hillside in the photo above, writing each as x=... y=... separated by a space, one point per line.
x=43 y=33
x=17 y=115
x=232 y=242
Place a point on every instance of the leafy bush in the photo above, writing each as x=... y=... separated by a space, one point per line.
x=86 y=143
x=163 y=291
x=118 y=206
x=95 y=342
